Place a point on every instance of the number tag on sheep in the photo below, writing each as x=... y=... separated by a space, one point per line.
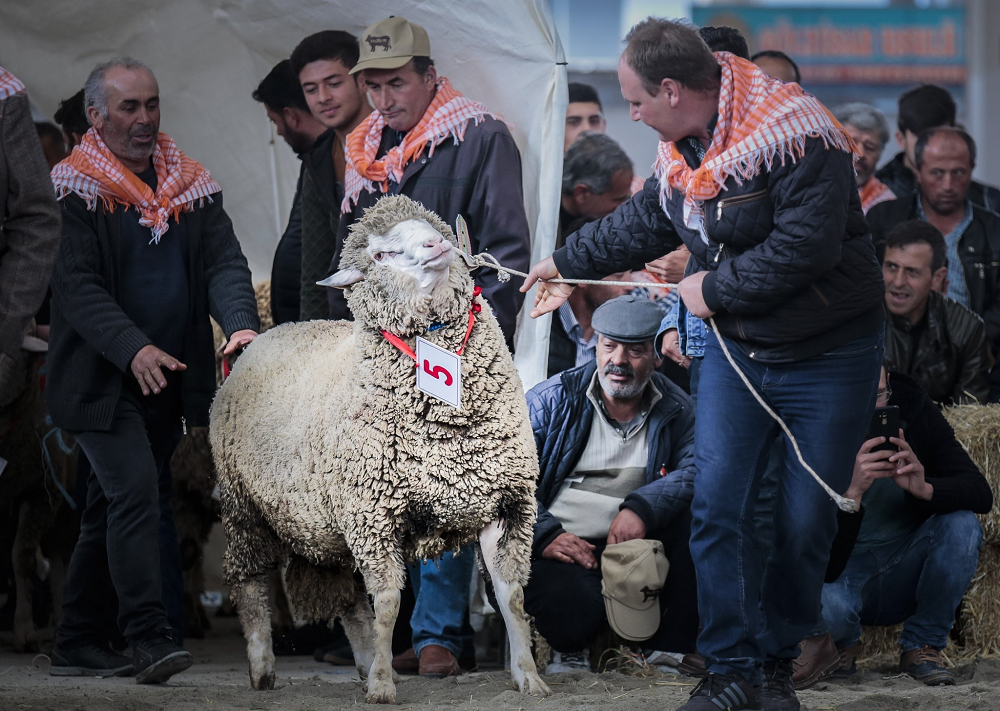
x=440 y=373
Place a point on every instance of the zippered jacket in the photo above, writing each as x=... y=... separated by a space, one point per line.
x=791 y=267
x=561 y=418
x=979 y=249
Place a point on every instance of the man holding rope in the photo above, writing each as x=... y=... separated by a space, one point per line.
x=756 y=178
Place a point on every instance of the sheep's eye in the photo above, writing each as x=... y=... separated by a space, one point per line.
x=378 y=256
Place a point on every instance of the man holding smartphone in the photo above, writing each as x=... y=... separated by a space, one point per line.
x=910 y=553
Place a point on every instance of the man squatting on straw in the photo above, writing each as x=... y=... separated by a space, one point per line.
x=756 y=178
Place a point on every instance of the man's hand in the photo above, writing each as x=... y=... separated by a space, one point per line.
x=869 y=466
x=670 y=267
x=909 y=472
x=671 y=348
x=569 y=548
x=627 y=526
x=240 y=339
x=146 y=368
x=549 y=297
x=690 y=290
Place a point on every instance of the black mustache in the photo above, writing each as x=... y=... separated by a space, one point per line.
x=626 y=370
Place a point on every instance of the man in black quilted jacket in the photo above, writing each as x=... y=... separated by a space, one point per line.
x=755 y=177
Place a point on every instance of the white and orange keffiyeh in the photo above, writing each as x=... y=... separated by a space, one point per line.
x=94 y=173
x=9 y=84
x=761 y=121
x=448 y=115
x=873 y=192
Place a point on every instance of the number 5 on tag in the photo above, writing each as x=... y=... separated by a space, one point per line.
x=439 y=373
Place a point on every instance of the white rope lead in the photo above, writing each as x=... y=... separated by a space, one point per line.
x=488 y=260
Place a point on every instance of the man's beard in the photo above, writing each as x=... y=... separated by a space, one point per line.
x=120 y=142
x=622 y=391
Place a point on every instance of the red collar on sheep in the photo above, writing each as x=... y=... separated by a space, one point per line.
x=473 y=310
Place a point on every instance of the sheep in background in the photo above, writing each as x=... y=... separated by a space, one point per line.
x=328 y=455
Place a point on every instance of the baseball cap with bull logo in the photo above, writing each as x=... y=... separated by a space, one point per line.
x=632 y=575
x=391 y=43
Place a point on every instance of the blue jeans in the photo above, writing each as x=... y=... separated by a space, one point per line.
x=920 y=579
x=827 y=402
x=442 y=591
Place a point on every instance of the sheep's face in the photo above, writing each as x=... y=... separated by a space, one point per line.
x=415 y=249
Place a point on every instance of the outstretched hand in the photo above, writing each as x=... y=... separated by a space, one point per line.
x=549 y=297
x=240 y=339
x=146 y=366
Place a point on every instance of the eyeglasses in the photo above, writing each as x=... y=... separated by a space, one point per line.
x=887 y=393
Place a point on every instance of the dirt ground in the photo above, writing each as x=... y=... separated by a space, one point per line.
x=218 y=682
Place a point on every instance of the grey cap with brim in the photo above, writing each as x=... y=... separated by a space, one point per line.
x=628 y=319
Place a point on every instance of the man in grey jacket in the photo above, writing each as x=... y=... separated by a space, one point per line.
x=29 y=230
x=427 y=141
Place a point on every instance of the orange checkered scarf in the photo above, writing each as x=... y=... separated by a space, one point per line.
x=761 y=120
x=9 y=84
x=93 y=172
x=447 y=116
x=873 y=192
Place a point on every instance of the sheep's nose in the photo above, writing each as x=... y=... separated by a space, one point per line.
x=433 y=242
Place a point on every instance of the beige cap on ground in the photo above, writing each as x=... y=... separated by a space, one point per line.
x=391 y=43
x=633 y=574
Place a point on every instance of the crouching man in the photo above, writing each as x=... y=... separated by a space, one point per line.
x=148 y=253
x=615 y=445
x=910 y=553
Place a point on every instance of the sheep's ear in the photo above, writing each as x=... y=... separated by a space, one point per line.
x=343 y=278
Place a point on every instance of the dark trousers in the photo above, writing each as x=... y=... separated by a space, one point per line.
x=826 y=401
x=566 y=601
x=120 y=529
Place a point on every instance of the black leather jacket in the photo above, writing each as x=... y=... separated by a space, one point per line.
x=979 y=248
x=951 y=362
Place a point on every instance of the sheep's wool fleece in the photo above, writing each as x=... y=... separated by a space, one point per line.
x=322 y=429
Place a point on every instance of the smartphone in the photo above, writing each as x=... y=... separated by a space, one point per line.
x=885 y=423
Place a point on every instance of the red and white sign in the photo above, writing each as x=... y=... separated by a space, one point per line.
x=439 y=373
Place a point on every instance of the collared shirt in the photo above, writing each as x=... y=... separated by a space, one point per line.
x=957 y=289
x=586 y=349
x=612 y=465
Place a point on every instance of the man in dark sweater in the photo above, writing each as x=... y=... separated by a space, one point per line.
x=148 y=253
x=286 y=106
x=910 y=553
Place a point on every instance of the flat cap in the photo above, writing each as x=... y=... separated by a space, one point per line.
x=628 y=319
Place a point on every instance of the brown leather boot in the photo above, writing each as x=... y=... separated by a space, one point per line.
x=819 y=657
x=437 y=662
x=693 y=665
x=924 y=664
x=406 y=662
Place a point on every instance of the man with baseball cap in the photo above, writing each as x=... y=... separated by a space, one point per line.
x=427 y=141
x=615 y=444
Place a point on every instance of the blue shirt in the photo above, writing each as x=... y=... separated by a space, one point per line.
x=586 y=350
x=957 y=290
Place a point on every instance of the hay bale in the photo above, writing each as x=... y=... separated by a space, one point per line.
x=980 y=617
x=977 y=428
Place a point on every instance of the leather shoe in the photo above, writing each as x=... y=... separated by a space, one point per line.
x=406 y=662
x=819 y=657
x=693 y=665
x=437 y=662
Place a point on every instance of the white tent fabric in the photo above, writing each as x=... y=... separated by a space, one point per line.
x=209 y=55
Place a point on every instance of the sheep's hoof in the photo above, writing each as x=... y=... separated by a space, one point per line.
x=264 y=682
x=534 y=686
x=380 y=692
x=27 y=644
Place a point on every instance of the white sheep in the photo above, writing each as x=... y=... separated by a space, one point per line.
x=331 y=459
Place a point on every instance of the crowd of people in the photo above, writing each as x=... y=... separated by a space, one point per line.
x=832 y=286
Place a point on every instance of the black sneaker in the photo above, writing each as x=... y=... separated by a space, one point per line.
x=778 y=693
x=924 y=664
x=717 y=692
x=89 y=660
x=157 y=658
